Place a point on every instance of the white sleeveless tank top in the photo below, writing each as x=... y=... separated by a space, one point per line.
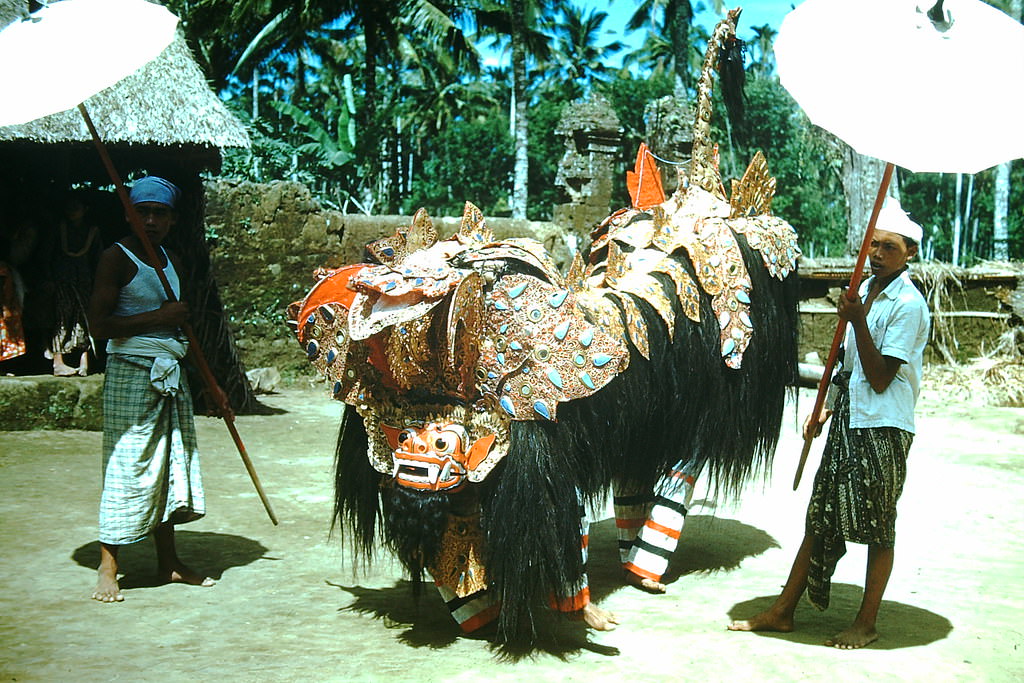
x=145 y=292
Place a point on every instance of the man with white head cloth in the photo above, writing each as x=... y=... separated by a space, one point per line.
x=151 y=478
x=864 y=463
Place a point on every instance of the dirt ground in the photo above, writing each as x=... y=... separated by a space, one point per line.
x=290 y=607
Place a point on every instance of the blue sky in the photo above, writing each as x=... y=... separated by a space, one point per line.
x=755 y=13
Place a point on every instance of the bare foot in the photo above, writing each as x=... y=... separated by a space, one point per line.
x=642 y=582
x=182 y=574
x=765 y=621
x=64 y=371
x=853 y=638
x=107 y=589
x=597 y=618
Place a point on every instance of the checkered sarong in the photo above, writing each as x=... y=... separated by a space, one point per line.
x=150 y=460
x=856 y=488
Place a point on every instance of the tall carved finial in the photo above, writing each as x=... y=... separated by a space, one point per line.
x=704 y=166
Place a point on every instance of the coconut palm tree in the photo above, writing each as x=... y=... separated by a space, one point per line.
x=518 y=26
x=577 y=56
x=675 y=16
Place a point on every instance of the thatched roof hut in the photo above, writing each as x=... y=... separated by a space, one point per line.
x=163 y=120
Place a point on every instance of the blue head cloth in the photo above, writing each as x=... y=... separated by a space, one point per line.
x=154 y=189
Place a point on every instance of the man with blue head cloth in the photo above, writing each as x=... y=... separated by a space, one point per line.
x=151 y=476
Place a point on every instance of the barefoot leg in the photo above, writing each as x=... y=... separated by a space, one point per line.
x=862 y=632
x=779 y=617
x=170 y=567
x=107 y=589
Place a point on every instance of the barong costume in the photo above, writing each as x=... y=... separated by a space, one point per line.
x=864 y=463
x=489 y=398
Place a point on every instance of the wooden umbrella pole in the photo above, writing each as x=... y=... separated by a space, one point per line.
x=197 y=353
x=837 y=339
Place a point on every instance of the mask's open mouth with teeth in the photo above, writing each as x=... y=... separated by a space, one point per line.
x=427 y=472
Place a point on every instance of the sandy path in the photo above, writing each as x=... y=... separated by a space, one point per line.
x=289 y=607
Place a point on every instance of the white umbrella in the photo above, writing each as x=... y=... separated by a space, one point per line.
x=71 y=50
x=66 y=52
x=894 y=85
x=930 y=88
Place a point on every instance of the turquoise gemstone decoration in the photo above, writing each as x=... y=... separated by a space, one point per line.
x=556 y=299
x=541 y=409
x=503 y=329
x=331 y=356
x=491 y=375
x=555 y=378
x=728 y=347
x=501 y=305
x=742 y=296
x=516 y=291
x=515 y=346
x=387 y=251
x=562 y=330
x=585 y=378
x=506 y=403
x=501 y=359
x=601 y=359
x=745 y=319
x=312 y=350
x=587 y=336
x=389 y=286
x=311 y=319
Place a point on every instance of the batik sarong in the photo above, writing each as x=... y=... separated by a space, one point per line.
x=150 y=459
x=858 y=483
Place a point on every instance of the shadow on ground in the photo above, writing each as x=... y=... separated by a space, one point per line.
x=711 y=544
x=708 y=544
x=426 y=622
x=208 y=553
x=899 y=625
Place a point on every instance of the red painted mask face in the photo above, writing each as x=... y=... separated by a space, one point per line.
x=435 y=457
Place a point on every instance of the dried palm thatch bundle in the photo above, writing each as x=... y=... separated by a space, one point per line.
x=940 y=282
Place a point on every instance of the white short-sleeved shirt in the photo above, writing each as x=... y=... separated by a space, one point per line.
x=899 y=324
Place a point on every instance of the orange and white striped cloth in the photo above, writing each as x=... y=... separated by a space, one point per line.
x=649 y=524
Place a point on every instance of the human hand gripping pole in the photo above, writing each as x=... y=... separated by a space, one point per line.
x=197 y=353
x=837 y=339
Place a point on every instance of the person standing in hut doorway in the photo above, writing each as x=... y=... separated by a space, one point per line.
x=75 y=255
x=864 y=463
x=151 y=477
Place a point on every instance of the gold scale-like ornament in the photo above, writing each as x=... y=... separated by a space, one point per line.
x=696 y=218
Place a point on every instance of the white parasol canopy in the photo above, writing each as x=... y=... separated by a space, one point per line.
x=70 y=50
x=893 y=84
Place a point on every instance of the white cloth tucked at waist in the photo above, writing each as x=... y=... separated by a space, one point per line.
x=165 y=375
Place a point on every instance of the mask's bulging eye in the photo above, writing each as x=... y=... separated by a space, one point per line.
x=446 y=443
x=406 y=436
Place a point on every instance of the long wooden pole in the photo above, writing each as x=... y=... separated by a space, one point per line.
x=197 y=353
x=837 y=339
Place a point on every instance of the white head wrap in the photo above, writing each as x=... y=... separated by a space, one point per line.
x=892 y=218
